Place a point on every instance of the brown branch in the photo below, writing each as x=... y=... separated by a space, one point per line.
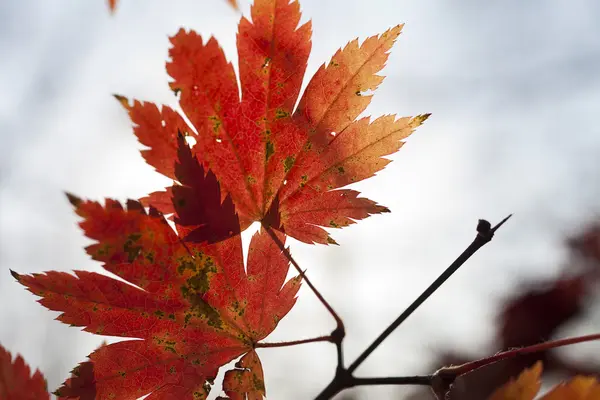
x=472 y=365
x=343 y=378
x=338 y=334
x=295 y=342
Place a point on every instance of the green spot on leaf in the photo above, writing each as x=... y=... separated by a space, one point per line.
x=130 y=248
x=216 y=123
x=304 y=179
x=269 y=150
x=279 y=113
x=288 y=163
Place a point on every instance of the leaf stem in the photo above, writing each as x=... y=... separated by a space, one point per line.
x=338 y=334
x=295 y=342
x=285 y=251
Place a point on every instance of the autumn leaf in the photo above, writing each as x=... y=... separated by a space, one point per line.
x=16 y=380
x=191 y=308
x=81 y=385
x=578 y=388
x=246 y=381
x=523 y=322
x=527 y=385
x=199 y=212
x=281 y=166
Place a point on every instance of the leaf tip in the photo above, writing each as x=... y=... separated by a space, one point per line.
x=330 y=240
x=74 y=200
x=123 y=100
x=419 y=119
x=15 y=275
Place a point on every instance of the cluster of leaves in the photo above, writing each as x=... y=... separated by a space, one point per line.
x=191 y=303
x=186 y=302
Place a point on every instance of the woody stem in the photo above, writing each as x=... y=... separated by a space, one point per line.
x=285 y=251
x=338 y=334
x=295 y=342
x=470 y=366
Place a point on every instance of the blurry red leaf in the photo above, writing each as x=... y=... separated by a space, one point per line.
x=588 y=242
x=16 y=381
x=534 y=315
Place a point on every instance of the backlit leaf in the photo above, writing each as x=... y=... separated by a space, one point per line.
x=190 y=308
x=281 y=165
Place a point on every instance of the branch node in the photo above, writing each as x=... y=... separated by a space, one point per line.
x=338 y=334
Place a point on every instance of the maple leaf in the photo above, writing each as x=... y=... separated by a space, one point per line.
x=246 y=381
x=282 y=166
x=16 y=381
x=192 y=307
x=527 y=385
x=522 y=321
x=81 y=385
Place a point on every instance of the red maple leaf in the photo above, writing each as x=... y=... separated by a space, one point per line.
x=16 y=381
x=193 y=308
x=279 y=164
x=246 y=381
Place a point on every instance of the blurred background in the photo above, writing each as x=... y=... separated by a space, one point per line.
x=514 y=92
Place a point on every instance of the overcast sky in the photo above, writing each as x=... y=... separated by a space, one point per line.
x=514 y=92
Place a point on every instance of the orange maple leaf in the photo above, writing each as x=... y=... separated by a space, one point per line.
x=16 y=381
x=194 y=307
x=279 y=165
x=527 y=385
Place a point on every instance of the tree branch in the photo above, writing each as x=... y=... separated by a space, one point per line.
x=462 y=369
x=343 y=378
x=424 y=380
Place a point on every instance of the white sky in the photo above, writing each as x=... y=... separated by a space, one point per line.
x=514 y=88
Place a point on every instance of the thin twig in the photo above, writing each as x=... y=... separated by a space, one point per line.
x=295 y=342
x=484 y=235
x=472 y=365
x=424 y=380
x=338 y=334
x=285 y=251
x=343 y=378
